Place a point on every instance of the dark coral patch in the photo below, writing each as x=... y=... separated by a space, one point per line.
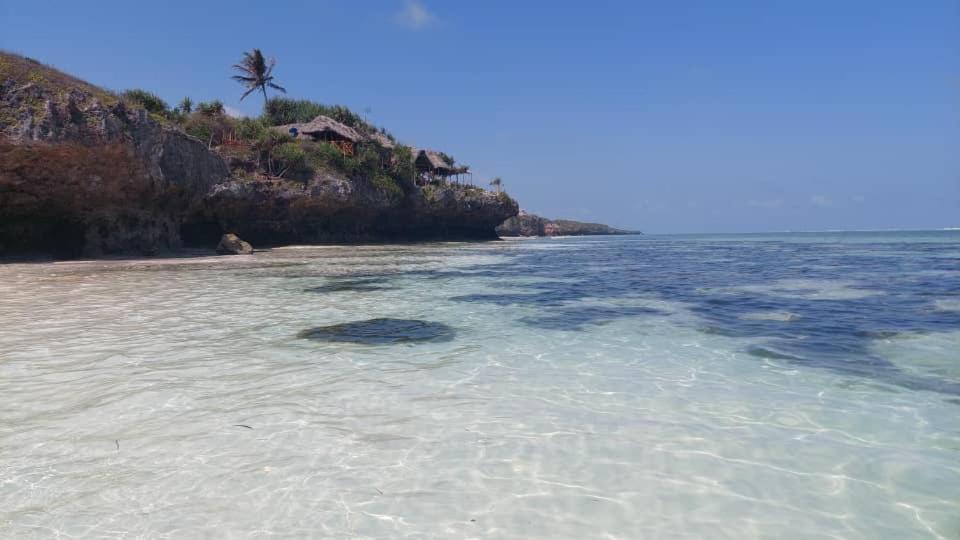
x=580 y=318
x=355 y=285
x=381 y=332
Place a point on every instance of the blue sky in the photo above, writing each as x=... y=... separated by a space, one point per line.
x=682 y=116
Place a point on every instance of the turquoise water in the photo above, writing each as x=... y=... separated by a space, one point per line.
x=729 y=386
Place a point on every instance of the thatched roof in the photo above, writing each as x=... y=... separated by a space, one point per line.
x=436 y=161
x=381 y=139
x=323 y=123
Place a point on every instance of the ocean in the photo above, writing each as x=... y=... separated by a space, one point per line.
x=799 y=385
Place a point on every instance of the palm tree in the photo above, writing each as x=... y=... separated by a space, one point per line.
x=497 y=183
x=256 y=74
x=186 y=105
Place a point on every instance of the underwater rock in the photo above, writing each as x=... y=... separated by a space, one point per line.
x=781 y=316
x=357 y=285
x=382 y=331
x=766 y=352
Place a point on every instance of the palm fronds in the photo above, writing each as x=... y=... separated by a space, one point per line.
x=256 y=73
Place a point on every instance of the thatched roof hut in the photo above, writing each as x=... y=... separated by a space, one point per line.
x=432 y=161
x=322 y=128
x=326 y=128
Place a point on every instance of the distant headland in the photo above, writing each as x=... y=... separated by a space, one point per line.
x=525 y=224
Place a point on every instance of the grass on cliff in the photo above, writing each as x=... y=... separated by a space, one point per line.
x=24 y=70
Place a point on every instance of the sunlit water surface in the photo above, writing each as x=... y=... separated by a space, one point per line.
x=788 y=386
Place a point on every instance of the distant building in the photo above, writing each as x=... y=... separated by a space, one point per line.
x=431 y=166
x=325 y=129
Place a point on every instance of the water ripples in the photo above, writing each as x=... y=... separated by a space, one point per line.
x=775 y=386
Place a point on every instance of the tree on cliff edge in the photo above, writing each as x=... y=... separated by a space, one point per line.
x=256 y=74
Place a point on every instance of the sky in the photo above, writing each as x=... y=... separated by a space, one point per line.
x=667 y=117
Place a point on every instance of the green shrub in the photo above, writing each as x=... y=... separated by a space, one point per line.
x=368 y=163
x=321 y=155
x=211 y=108
x=290 y=159
x=401 y=167
x=251 y=129
x=324 y=156
x=279 y=111
x=210 y=129
x=148 y=100
x=387 y=185
x=506 y=199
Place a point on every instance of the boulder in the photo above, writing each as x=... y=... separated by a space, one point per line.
x=231 y=244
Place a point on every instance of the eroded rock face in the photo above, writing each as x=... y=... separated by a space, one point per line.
x=82 y=177
x=231 y=244
x=523 y=224
x=329 y=208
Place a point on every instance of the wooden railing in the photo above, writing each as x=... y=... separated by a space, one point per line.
x=231 y=139
x=345 y=146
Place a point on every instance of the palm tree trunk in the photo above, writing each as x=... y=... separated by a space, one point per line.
x=264 y=89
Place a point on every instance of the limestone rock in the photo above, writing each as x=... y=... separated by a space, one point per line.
x=332 y=208
x=231 y=244
x=81 y=173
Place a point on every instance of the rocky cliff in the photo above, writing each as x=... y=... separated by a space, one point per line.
x=525 y=224
x=83 y=172
x=333 y=208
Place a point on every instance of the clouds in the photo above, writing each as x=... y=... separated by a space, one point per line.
x=414 y=15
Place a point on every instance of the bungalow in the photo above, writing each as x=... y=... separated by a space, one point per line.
x=326 y=129
x=431 y=166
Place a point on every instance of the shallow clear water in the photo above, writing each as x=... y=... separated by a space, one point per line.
x=789 y=386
